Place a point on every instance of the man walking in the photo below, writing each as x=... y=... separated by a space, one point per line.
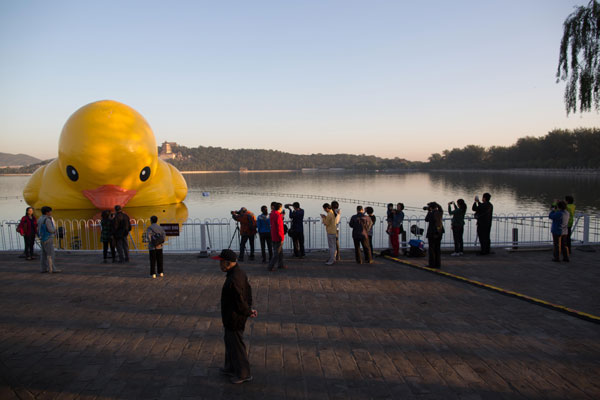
x=277 y=236
x=361 y=225
x=46 y=232
x=247 y=230
x=236 y=307
x=297 y=229
x=483 y=213
x=122 y=227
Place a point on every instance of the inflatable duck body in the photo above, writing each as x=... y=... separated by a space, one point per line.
x=107 y=155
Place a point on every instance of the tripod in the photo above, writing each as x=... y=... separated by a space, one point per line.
x=236 y=232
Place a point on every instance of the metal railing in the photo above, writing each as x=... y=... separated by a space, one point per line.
x=215 y=234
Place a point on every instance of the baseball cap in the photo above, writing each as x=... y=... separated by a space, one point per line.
x=227 y=255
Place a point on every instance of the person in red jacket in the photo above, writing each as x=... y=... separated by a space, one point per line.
x=28 y=228
x=277 y=235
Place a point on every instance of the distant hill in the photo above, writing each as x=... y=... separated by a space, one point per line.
x=17 y=160
x=219 y=159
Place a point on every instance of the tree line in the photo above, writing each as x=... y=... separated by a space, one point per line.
x=563 y=149
x=579 y=148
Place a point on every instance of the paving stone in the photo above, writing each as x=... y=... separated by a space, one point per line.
x=347 y=331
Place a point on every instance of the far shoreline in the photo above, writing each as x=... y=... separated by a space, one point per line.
x=515 y=171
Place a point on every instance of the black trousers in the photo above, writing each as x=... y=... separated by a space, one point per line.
x=250 y=239
x=265 y=241
x=560 y=247
x=277 y=255
x=298 y=241
x=337 y=246
x=371 y=245
x=156 y=260
x=435 y=252
x=483 y=231
x=236 y=356
x=105 y=246
x=364 y=241
x=569 y=239
x=122 y=248
x=457 y=232
x=29 y=241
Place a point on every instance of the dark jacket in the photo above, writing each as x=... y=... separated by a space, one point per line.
x=360 y=224
x=121 y=225
x=483 y=213
x=458 y=215
x=435 y=229
x=106 y=234
x=297 y=217
x=236 y=299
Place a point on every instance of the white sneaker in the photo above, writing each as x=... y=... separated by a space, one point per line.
x=153 y=276
x=161 y=274
x=329 y=263
x=454 y=254
x=461 y=254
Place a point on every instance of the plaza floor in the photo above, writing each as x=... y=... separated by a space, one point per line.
x=347 y=331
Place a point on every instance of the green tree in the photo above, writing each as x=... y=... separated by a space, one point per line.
x=578 y=62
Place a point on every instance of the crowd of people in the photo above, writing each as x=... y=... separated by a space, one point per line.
x=271 y=230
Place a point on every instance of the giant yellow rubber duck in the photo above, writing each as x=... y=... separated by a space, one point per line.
x=107 y=155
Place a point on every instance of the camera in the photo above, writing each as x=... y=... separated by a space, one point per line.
x=426 y=208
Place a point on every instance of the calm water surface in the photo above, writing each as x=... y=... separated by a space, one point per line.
x=511 y=194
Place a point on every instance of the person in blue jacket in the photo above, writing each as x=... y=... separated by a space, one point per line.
x=263 y=226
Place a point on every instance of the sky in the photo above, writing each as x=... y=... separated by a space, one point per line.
x=390 y=78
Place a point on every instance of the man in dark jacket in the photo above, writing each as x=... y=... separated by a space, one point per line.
x=361 y=224
x=121 y=229
x=435 y=232
x=296 y=231
x=483 y=213
x=236 y=307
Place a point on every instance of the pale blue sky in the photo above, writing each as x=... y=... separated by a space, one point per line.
x=390 y=78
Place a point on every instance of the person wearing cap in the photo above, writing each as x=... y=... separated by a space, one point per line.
x=247 y=222
x=277 y=236
x=236 y=307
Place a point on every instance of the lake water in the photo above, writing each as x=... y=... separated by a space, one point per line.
x=214 y=195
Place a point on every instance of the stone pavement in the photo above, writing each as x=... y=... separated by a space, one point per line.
x=381 y=331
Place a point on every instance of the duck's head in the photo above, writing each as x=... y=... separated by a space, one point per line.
x=107 y=152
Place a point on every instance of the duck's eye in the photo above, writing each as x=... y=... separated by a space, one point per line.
x=145 y=174
x=72 y=173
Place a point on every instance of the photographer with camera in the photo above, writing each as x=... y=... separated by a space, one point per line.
x=247 y=230
x=435 y=232
x=483 y=213
x=458 y=224
x=560 y=225
x=296 y=231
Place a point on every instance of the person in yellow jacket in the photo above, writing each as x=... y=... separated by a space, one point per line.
x=330 y=226
x=571 y=209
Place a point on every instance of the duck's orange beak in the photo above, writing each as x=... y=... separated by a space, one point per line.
x=107 y=196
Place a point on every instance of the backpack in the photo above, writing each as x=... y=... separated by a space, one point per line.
x=156 y=238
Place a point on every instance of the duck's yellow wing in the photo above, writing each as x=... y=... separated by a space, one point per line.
x=166 y=186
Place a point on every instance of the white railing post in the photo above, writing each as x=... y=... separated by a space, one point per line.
x=586 y=229
x=203 y=249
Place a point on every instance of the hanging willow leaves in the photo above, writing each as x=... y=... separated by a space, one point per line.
x=578 y=62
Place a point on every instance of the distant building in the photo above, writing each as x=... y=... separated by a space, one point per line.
x=166 y=151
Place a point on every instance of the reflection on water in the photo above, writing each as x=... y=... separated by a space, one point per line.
x=511 y=193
